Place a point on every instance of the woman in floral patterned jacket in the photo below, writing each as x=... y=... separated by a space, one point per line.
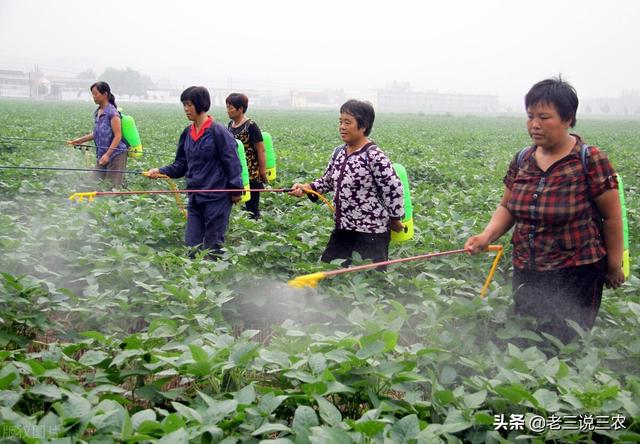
x=367 y=192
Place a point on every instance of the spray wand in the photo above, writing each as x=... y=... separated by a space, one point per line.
x=90 y=195
x=311 y=280
x=79 y=146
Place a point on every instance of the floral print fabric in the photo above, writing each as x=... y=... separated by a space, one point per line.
x=367 y=190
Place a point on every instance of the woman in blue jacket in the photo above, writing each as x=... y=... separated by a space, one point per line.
x=207 y=155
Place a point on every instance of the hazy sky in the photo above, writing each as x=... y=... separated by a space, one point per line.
x=464 y=46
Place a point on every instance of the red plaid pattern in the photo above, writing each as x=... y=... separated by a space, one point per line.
x=556 y=224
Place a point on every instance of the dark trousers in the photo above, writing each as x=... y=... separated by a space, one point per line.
x=118 y=162
x=343 y=243
x=207 y=223
x=253 y=204
x=555 y=296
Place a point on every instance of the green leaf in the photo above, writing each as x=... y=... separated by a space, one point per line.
x=8 y=398
x=49 y=391
x=37 y=369
x=481 y=418
x=475 y=400
x=93 y=357
x=405 y=430
x=316 y=388
x=198 y=353
x=94 y=335
x=247 y=395
x=304 y=418
x=269 y=403
x=150 y=427
x=76 y=407
x=6 y=380
x=455 y=422
x=317 y=363
x=172 y=423
x=142 y=415
x=220 y=410
x=332 y=435
x=328 y=412
x=271 y=428
x=179 y=436
x=241 y=354
x=370 y=350
x=516 y=393
x=276 y=357
x=390 y=339
x=444 y=397
x=187 y=412
x=199 y=369
x=448 y=375
x=548 y=400
x=370 y=428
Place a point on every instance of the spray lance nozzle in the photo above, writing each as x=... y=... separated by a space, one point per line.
x=79 y=197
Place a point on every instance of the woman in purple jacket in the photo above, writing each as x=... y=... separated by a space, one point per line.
x=207 y=156
x=111 y=149
x=367 y=193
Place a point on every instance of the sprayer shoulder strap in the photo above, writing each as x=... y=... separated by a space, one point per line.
x=585 y=152
x=522 y=155
x=337 y=151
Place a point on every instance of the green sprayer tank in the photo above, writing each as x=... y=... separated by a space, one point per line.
x=131 y=135
x=407 y=220
x=625 y=230
x=270 y=156
x=245 y=171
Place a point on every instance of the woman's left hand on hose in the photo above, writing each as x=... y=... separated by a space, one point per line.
x=104 y=160
x=153 y=173
x=263 y=176
x=396 y=225
x=614 y=277
x=297 y=189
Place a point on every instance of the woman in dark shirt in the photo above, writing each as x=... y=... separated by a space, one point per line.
x=111 y=149
x=567 y=240
x=207 y=155
x=248 y=132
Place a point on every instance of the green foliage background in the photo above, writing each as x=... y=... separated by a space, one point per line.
x=111 y=333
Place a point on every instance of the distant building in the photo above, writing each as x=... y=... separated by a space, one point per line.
x=627 y=104
x=317 y=99
x=391 y=100
x=14 y=83
x=69 y=88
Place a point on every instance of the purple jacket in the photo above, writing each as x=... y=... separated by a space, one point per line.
x=103 y=134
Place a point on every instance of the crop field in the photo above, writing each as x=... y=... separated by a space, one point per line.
x=109 y=332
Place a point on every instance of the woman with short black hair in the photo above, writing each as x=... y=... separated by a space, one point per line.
x=207 y=155
x=367 y=192
x=247 y=131
x=567 y=240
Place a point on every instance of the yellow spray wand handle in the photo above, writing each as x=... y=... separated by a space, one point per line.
x=492 y=271
x=79 y=197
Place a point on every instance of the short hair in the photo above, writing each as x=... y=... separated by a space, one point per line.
x=363 y=113
x=238 y=101
x=557 y=92
x=199 y=96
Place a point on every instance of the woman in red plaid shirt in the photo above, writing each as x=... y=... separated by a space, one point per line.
x=567 y=240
